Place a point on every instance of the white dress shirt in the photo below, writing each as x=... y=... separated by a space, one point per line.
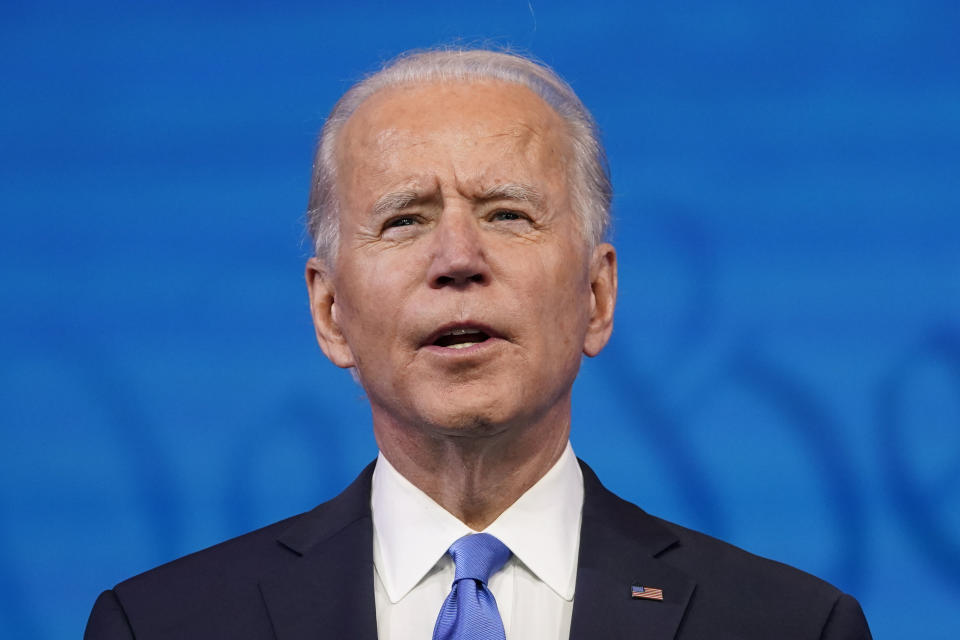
x=534 y=589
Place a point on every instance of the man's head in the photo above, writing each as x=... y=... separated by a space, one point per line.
x=464 y=288
x=589 y=177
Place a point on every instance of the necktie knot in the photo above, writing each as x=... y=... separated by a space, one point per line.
x=478 y=556
x=470 y=610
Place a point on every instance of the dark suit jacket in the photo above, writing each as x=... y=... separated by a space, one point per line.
x=311 y=576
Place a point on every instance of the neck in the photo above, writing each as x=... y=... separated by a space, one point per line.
x=474 y=475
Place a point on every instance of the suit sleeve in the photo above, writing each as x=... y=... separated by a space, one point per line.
x=108 y=621
x=846 y=621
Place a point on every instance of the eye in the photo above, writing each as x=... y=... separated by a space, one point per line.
x=400 y=221
x=507 y=215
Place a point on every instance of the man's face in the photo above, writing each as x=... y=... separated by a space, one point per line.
x=463 y=290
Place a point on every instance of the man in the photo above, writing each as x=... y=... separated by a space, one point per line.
x=459 y=206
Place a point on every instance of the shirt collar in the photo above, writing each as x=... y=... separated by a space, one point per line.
x=542 y=528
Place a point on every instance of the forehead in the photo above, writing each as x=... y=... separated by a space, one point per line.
x=487 y=129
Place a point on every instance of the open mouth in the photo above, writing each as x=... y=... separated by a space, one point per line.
x=461 y=338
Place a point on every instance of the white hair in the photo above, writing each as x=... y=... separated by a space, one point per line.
x=590 y=188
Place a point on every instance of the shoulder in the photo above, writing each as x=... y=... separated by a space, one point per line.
x=208 y=592
x=719 y=565
x=736 y=589
x=217 y=591
x=735 y=593
x=221 y=566
x=715 y=562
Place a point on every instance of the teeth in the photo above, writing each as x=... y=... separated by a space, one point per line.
x=461 y=332
x=461 y=338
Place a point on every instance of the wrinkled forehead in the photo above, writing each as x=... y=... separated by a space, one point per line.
x=508 y=121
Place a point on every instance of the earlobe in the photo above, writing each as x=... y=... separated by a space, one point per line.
x=323 y=309
x=603 y=298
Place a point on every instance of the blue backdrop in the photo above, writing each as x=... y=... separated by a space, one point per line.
x=785 y=369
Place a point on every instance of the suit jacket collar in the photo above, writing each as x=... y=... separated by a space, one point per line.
x=621 y=545
x=328 y=590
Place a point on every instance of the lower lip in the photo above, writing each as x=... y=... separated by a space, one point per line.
x=473 y=349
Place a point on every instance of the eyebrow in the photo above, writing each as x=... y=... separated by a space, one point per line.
x=512 y=191
x=396 y=201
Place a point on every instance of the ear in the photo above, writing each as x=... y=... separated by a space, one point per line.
x=603 y=298
x=323 y=308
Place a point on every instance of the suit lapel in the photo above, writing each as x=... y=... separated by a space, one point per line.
x=620 y=545
x=327 y=588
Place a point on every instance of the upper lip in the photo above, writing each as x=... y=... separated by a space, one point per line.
x=462 y=326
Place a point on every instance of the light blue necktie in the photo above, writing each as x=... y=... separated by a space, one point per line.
x=470 y=611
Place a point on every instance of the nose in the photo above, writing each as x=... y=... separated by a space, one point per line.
x=458 y=258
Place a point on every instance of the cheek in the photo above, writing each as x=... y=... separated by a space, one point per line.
x=562 y=293
x=372 y=303
x=571 y=286
x=359 y=303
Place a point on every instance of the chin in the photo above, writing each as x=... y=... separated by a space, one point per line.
x=465 y=423
x=478 y=421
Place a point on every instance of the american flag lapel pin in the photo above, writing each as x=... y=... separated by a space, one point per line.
x=639 y=592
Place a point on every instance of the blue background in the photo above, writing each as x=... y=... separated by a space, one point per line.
x=785 y=369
